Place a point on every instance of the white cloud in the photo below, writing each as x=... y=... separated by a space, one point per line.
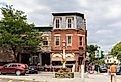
x=103 y=32
x=103 y=16
x=113 y=11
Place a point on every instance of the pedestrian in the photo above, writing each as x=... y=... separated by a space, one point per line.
x=87 y=68
x=113 y=70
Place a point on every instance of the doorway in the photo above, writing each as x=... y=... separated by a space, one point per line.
x=45 y=58
x=25 y=58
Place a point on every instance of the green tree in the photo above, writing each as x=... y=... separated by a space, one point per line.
x=102 y=61
x=91 y=50
x=15 y=33
x=119 y=55
x=116 y=51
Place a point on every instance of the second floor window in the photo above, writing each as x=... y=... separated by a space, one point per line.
x=45 y=41
x=57 y=41
x=69 y=40
x=80 y=40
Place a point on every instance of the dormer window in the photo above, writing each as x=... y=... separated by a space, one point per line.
x=69 y=22
x=57 y=22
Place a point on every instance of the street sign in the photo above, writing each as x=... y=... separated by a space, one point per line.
x=98 y=53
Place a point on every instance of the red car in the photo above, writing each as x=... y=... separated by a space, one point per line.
x=16 y=68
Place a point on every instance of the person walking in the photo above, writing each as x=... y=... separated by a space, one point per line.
x=113 y=70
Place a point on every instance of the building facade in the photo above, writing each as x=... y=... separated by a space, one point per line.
x=44 y=53
x=68 y=39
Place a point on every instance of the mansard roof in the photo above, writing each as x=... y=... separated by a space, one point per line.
x=67 y=14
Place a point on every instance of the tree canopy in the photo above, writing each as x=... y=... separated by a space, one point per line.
x=15 y=33
x=91 y=50
x=92 y=59
x=116 y=51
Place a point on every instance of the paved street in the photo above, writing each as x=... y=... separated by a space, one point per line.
x=49 y=77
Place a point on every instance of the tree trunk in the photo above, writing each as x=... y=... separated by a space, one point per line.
x=14 y=53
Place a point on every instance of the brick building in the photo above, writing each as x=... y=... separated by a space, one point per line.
x=68 y=38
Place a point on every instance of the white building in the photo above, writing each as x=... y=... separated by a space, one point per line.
x=111 y=59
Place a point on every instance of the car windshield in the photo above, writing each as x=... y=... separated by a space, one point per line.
x=6 y=65
x=103 y=66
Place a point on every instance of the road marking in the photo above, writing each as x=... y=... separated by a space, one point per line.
x=10 y=81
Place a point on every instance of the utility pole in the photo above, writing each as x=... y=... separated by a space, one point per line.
x=98 y=56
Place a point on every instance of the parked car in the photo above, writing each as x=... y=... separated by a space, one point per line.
x=118 y=72
x=103 y=68
x=15 y=68
x=33 y=69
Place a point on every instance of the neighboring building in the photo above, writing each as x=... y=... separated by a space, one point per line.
x=69 y=37
x=44 y=53
x=110 y=59
x=42 y=56
x=5 y=56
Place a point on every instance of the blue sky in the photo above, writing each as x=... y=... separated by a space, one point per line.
x=103 y=17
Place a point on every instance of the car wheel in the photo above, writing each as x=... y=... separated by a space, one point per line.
x=36 y=72
x=18 y=72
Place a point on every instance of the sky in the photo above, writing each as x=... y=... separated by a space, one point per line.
x=103 y=17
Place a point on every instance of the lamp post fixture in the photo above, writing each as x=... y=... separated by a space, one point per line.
x=64 y=55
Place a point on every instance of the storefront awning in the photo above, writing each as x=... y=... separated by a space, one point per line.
x=58 y=57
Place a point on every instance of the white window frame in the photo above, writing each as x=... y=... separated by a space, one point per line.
x=47 y=39
x=55 y=38
x=67 y=39
x=55 y=23
x=67 y=22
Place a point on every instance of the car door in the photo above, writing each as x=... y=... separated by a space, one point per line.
x=14 y=67
x=6 y=68
x=9 y=68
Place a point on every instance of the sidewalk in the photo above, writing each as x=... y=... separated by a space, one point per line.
x=100 y=78
x=49 y=77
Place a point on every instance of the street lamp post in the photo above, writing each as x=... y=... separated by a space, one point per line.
x=64 y=55
x=82 y=52
x=99 y=55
